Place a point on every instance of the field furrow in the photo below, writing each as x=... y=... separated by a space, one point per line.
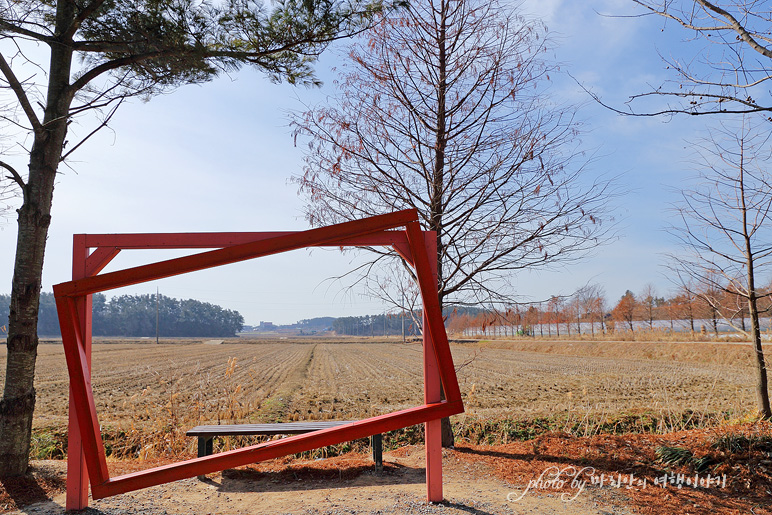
x=140 y=384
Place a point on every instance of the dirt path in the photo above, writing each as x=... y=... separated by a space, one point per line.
x=340 y=486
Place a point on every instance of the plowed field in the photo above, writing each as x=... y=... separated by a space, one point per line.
x=187 y=382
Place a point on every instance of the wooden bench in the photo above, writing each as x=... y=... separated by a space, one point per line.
x=206 y=434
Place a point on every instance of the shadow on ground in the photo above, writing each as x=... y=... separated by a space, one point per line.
x=314 y=478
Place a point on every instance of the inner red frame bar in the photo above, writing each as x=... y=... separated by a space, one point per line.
x=72 y=299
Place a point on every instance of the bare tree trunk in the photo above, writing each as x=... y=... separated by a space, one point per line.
x=437 y=207
x=18 y=402
x=762 y=387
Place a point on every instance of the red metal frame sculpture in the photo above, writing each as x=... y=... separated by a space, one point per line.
x=86 y=456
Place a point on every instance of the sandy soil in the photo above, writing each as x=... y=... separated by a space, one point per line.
x=345 y=485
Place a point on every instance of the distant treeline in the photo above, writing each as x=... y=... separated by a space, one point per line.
x=135 y=315
x=374 y=325
x=391 y=324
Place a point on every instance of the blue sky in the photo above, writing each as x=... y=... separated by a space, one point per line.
x=217 y=157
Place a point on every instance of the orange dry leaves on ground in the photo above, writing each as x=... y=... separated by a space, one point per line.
x=633 y=459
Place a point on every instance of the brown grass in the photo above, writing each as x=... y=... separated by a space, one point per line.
x=721 y=353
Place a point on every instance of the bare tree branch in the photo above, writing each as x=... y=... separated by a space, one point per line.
x=737 y=27
x=21 y=94
x=726 y=81
x=96 y=129
x=14 y=174
x=6 y=26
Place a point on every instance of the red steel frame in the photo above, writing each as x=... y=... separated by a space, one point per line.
x=86 y=456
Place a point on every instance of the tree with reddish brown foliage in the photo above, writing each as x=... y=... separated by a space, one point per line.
x=624 y=311
x=444 y=109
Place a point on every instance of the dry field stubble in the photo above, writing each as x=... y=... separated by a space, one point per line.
x=147 y=395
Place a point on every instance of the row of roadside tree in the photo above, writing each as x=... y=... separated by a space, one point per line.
x=588 y=311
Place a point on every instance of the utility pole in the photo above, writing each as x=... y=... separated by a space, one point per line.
x=402 y=316
x=157 y=295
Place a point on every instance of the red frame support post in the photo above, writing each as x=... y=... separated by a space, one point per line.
x=77 y=474
x=86 y=459
x=432 y=394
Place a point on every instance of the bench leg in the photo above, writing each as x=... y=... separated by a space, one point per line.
x=205 y=446
x=377 y=444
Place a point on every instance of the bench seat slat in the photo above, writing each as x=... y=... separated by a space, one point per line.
x=206 y=434
x=266 y=429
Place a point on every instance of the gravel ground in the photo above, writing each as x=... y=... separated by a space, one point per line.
x=469 y=489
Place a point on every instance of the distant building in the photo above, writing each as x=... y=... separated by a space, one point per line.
x=266 y=326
